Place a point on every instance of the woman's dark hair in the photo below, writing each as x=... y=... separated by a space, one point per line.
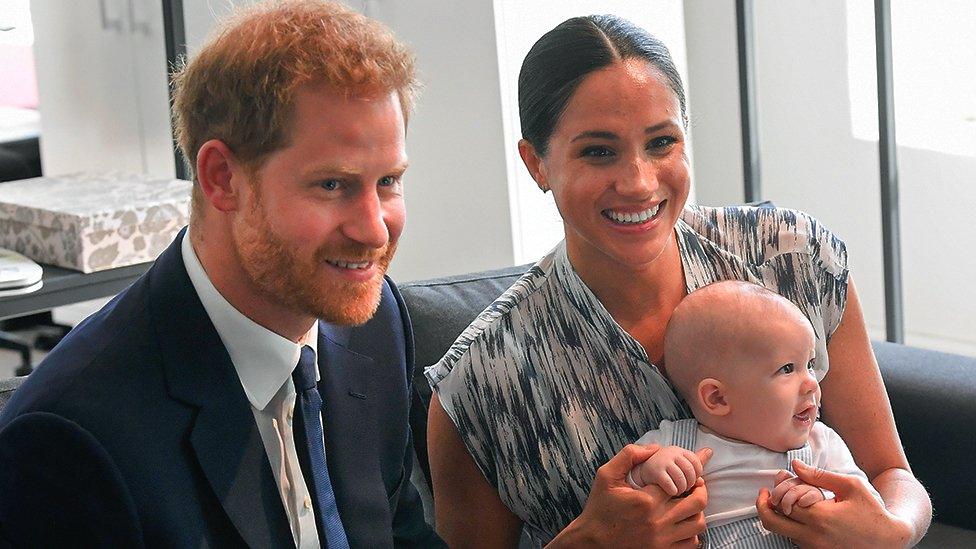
x=564 y=56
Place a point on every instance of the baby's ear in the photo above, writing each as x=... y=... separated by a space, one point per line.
x=711 y=397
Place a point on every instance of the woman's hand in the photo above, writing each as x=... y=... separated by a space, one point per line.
x=617 y=515
x=790 y=491
x=856 y=406
x=854 y=518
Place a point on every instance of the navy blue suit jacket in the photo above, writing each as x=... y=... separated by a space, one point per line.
x=135 y=431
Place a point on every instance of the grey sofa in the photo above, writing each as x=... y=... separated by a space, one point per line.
x=933 y=396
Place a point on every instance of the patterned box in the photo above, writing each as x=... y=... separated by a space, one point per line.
x=92 y=222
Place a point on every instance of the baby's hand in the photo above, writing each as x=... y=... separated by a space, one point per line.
x=672 y=468
x=791 y=491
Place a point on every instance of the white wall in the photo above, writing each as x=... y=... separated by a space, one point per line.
x=812 y=160
x=713 y=100
x=101 y=79
x=458 y=216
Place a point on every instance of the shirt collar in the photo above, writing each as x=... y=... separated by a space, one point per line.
x=263 y=359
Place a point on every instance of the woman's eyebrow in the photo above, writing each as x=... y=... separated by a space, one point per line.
x=660 y=126
x=603 y=134
x=598 y=134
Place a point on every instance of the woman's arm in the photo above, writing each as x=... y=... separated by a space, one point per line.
x=855 y=404
x=467 y=509
x=469 y=513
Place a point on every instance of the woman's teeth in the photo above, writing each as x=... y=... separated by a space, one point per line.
x=346 y=265
x=632 y=218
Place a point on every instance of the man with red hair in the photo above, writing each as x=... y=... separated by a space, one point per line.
x=253 y=387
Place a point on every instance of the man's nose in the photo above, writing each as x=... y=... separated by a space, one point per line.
x=366 y=221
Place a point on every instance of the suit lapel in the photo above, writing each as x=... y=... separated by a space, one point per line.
x=349 y=425
x=224 y=435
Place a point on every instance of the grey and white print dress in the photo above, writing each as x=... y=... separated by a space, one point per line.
x=545 y=387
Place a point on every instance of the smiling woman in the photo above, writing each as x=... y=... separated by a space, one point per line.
x=537 y=401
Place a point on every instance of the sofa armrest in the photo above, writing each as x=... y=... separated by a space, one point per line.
x=933 y=398
x=441 y=308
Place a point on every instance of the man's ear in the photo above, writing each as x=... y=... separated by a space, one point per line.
x=533 y=163
x=711 y=397
x=220 y=175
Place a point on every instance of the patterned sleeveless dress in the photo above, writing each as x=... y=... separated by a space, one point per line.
x=545 y=387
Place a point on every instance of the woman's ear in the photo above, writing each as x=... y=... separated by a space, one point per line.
x=533 y=163
x=711 y=397
x=220 y=175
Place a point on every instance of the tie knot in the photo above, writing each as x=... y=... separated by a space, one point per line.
x=304 y=374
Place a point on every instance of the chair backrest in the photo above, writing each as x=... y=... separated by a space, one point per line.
x=7 y=387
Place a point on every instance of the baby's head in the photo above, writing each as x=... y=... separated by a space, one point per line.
x=742 y=357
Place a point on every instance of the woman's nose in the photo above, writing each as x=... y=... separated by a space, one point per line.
x=639 y=180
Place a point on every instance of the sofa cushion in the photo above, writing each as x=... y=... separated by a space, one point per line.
x=933 y=398
x=7 y=387
x=441 y=308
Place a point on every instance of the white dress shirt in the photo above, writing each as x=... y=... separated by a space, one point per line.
x=264 y=362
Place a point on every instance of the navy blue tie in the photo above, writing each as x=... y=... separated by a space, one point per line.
x=309 y=440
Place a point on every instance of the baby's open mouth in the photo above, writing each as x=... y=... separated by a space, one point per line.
x=808 y=414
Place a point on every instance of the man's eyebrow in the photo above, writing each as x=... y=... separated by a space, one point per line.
x=345 y=171
x=603 y=134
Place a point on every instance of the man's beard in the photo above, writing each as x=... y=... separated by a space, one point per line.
x=297 y=283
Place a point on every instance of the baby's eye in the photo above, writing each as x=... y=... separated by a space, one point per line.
x=812 y=364
x=787 y=368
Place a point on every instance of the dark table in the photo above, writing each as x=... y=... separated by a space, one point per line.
x=61 y=287
x=65 y=286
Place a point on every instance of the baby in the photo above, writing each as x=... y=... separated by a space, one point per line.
x=743 y=358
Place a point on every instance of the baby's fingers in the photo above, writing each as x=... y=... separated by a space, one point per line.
x=811 y=496
x=782 y=487
x=677 y=477
x=691 y=468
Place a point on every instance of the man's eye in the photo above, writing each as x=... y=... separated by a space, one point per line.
x=787 y=368
x=389 y=181
x=597 y=152
x=331 y=184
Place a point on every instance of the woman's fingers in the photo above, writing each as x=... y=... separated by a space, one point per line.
x=614 y=472
x=774 y=521
x=688 y=506
x=688 y=529
x=840 y=484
